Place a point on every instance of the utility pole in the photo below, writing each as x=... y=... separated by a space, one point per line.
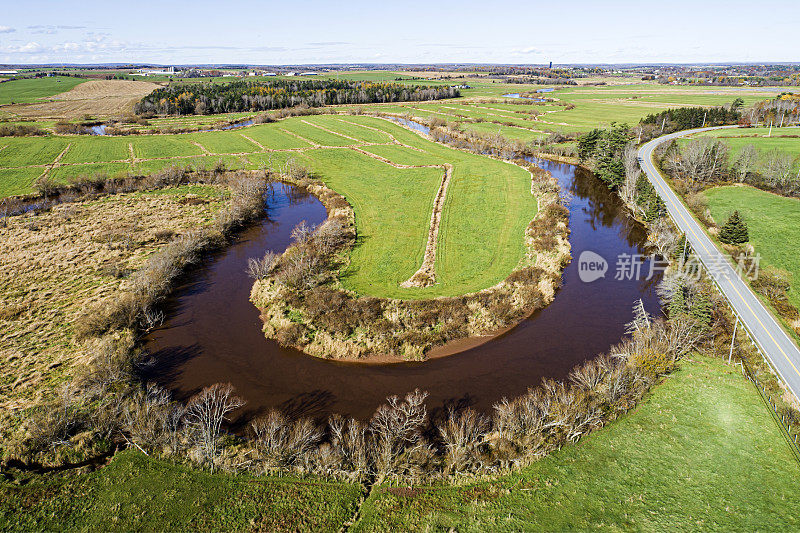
x=704 y=118
x=733 y=339
x=770 y=130
x=685 y=243
x=664 y=123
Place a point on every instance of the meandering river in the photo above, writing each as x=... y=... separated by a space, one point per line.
x=213 y=333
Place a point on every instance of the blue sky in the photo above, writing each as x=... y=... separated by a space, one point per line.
x=311 y=31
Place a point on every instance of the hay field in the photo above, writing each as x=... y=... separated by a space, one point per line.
x=55 y=263
x=98 y=98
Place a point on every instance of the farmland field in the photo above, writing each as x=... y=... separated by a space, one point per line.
x=35 y=89
x=700 y=453
x=784 y=140
x=773 y=224
x=486 y=210
x=95 y=98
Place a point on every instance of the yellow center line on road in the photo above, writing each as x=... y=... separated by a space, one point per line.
x=679 y=211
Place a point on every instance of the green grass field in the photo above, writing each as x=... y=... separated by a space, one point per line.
x=773 y=224
x=33 y=89
x=702 y=453
x=135 y=493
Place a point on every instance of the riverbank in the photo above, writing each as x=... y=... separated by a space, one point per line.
x=732 y=469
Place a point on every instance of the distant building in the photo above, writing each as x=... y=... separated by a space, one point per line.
x=8 y=72
x=166 y=72
x=308 y=73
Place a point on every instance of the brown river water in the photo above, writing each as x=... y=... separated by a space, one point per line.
x=213 y=333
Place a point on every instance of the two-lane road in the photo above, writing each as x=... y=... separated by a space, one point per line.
x=773 y=340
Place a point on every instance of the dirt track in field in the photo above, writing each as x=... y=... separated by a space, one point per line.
x=98 y=98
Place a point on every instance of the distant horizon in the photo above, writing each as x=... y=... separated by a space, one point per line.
x=120 y=64
x=311 y=32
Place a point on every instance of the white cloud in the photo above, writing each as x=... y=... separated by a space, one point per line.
x=7 y=29
x=526 y=51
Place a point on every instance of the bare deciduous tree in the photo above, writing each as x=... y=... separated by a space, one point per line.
x=663 y=237
x=462 y=434
x=206 y=412
x=700 y=160
x=627 y=191
x=777 y=171
x=746 y=162
x=396 y=430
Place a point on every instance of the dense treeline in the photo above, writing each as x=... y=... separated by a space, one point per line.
x=784 y=110
x=685 y=118
x=211 y=98
x=603 y=150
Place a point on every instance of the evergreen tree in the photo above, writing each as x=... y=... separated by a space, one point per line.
x=734 y=231
x=701 y=308
x=679 y=248
x=677 y=305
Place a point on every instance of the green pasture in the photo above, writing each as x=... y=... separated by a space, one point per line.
x=701 y=453
x=136 y=493
x=773 y=224
x=34 y=89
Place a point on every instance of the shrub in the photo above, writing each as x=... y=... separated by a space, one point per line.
x=261 y=268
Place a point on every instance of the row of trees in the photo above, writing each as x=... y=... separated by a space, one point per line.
x=238 y=96
x=784 y=110
x=705 y=161
x=685 y=118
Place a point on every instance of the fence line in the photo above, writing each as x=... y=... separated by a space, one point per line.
x=789 y=433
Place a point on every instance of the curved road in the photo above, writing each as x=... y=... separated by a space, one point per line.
x=765 y=330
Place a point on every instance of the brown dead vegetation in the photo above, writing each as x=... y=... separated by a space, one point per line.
x=55 y=263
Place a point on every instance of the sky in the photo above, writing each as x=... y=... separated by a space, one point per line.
x=377 y=31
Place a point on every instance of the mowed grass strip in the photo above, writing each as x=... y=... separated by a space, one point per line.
x=65 y=173
x=270 y=136
x=136 y=493
x=773 y=224
x=95 y=149
x=701 y=453
x=223 y=142
x=352 y=128
x=509 y=132
x=393 y=211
